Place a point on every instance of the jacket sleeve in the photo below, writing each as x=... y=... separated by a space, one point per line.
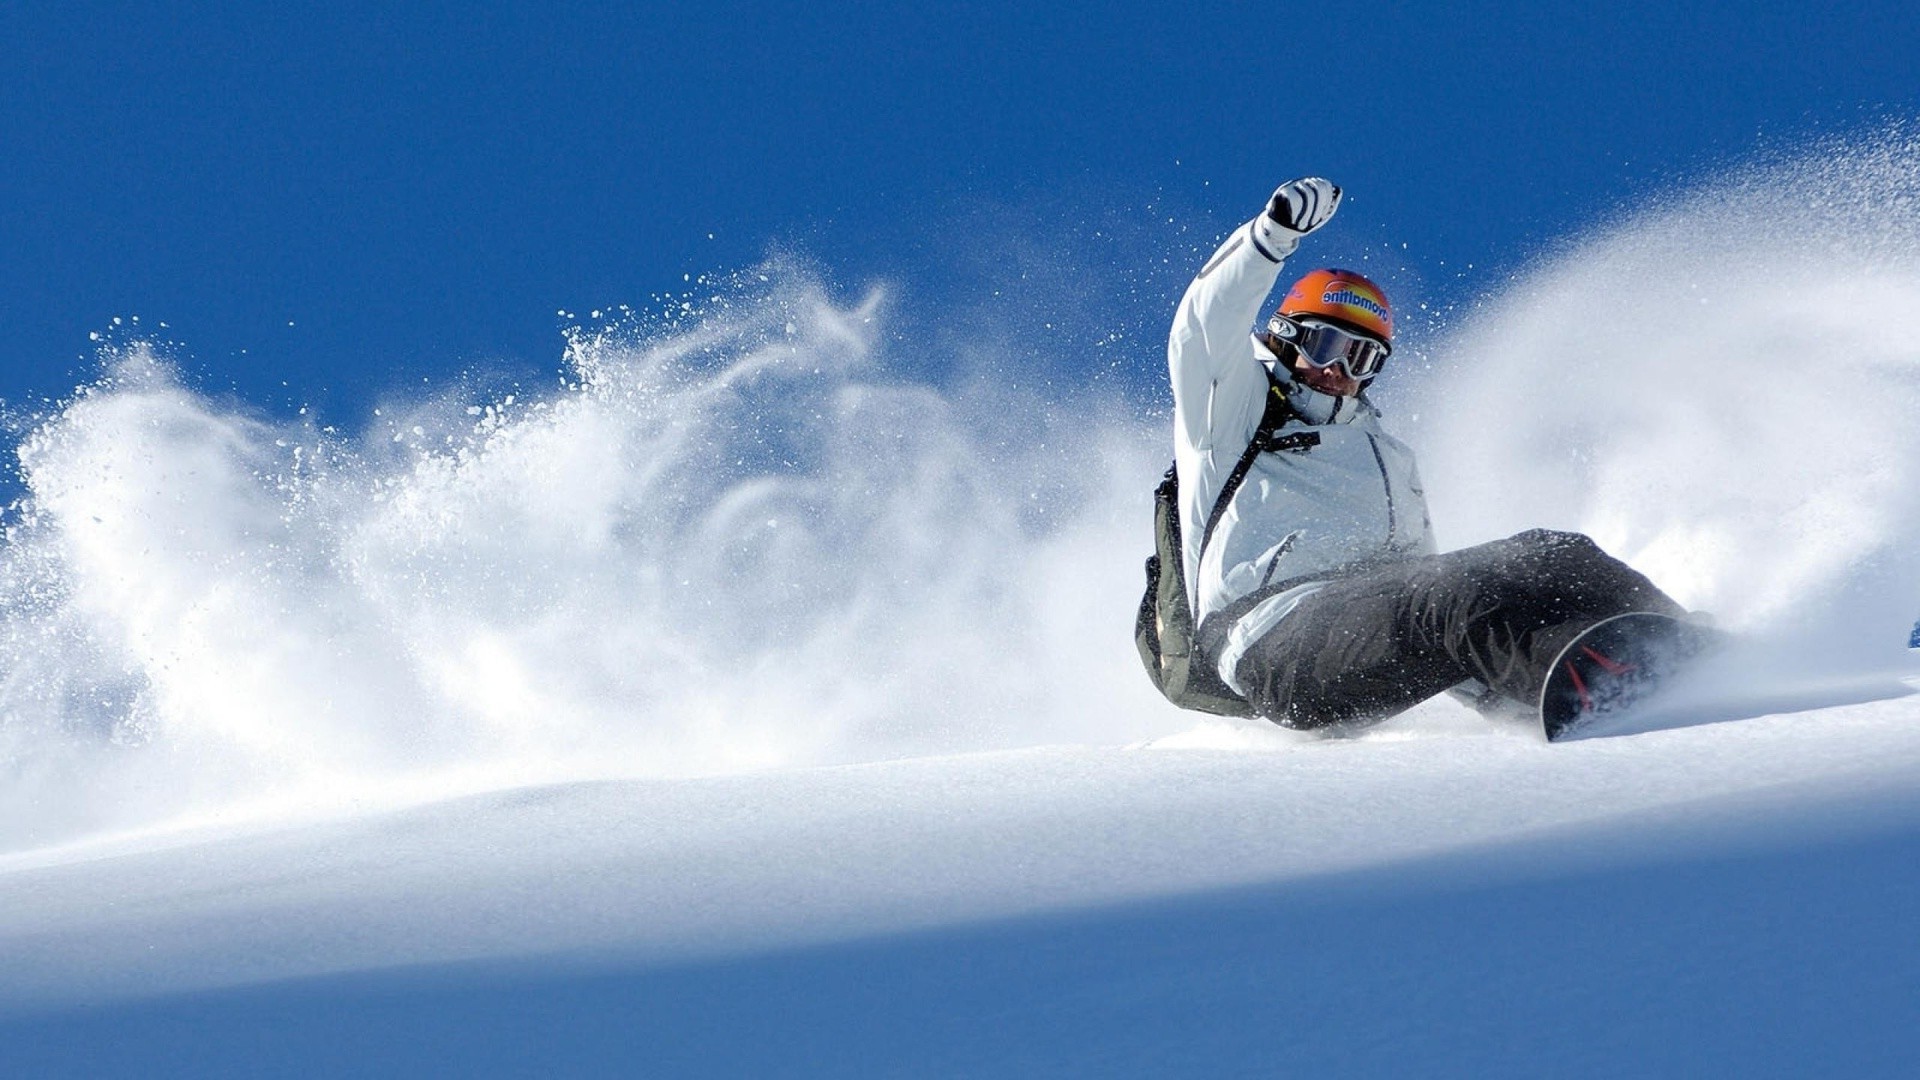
x=1219 y=388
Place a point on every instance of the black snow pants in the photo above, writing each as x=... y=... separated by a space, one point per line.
x=1366 y=647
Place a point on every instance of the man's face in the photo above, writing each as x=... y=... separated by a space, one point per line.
x=1328 y=380
x=1326 y=356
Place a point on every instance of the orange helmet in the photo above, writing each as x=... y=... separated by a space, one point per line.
x=1344 y=297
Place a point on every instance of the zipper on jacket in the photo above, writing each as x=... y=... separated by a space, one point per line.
x=1278 y=554
x=1386 y=481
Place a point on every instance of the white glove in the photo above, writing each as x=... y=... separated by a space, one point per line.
x=1297 y=208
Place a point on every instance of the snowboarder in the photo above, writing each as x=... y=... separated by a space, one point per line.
x=1314 y=588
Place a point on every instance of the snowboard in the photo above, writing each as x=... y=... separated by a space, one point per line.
x=1613 y=665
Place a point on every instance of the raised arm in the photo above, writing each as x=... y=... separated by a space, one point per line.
x=1219 y=388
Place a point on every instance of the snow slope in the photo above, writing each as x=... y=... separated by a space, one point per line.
x=1444 y=896
x=742 y=706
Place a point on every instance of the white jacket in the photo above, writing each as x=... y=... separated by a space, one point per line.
x=1348 y=493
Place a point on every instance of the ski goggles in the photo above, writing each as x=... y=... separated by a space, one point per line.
x=1322 y=344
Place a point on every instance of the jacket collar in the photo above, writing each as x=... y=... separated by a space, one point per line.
x=1317 y=408
x=1310 y=405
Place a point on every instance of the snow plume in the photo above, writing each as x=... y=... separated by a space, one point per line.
x=729 y=541
x=1722 y=386
x=736 y=537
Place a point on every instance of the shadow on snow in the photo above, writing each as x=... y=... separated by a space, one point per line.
x=1780 y=952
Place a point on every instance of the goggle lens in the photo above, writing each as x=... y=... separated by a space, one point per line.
x=1323 y=345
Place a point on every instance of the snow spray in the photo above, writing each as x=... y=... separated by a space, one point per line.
x=730 y=540
x=1722 y=387
x=736 y=537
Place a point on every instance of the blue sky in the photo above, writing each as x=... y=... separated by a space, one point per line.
x=328 y=201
